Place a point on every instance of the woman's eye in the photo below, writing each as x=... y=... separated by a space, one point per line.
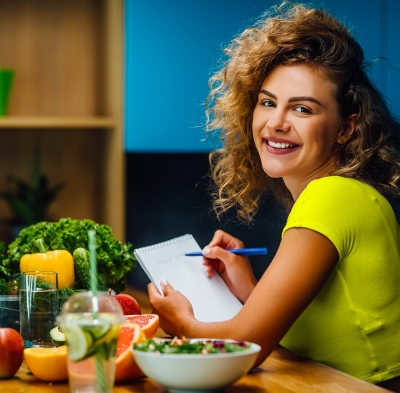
x=268 y=103
x=302 y=109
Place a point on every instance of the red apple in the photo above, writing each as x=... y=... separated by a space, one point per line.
x=129 y=304
x=12 y=352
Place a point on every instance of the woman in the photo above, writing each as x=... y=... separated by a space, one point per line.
x=300 y=118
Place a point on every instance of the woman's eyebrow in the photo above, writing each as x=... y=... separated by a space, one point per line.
x=304 y=98
x=292 y=99
x=266 y=92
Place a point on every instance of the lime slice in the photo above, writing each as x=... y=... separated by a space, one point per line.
x=79 y=342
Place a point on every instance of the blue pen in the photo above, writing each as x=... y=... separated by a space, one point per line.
x=237 y=251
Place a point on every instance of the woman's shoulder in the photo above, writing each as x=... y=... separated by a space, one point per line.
x=340 y=185
x=335 y=204
x=335 y=192
x=336 y=181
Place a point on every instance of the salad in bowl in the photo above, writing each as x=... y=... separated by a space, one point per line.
x=200 y=364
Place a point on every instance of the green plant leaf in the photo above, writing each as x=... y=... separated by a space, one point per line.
x=29 y=202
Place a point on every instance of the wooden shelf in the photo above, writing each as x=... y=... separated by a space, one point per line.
x=56 y=122
x=67 y=102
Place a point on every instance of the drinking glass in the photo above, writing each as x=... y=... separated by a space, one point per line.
x=91 y=325
x=39 y=306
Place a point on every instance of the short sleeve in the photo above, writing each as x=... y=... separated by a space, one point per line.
x=330 y=206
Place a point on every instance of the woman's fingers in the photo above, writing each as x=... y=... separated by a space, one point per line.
x=218 y=254
x=153 y=292
x=165 y=286
x=215 y=255
x=212 y=264
x=224 y=240
x=210 y=267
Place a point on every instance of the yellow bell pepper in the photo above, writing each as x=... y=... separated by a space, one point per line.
x=59 y=261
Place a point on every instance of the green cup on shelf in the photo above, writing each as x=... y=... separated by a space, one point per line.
x=6 y=81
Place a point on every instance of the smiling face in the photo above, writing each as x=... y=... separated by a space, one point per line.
x=295 y=125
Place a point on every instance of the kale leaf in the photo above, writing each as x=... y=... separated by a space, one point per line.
x=114 y=259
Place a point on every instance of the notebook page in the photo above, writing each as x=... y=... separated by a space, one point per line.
x=210 y=297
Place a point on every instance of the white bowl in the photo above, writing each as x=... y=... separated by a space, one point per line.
x=197 y=372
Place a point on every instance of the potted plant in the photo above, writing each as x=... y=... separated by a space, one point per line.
x=29 y=202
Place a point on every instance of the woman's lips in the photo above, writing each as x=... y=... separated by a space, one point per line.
x=280 y=146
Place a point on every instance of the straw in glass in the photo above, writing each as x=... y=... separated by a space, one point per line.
x=101 y=379
x=93 y=272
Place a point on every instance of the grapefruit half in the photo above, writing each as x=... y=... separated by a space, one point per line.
x=126 y=368
x=148 y=323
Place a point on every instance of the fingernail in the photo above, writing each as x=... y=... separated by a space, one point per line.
x=164 y=282
x=205 y=251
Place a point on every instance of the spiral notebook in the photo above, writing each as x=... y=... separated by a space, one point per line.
x=210 y=297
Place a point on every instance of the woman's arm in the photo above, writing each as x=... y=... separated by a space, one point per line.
x=302 y=265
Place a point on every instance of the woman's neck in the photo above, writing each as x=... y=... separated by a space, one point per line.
x=296 y=186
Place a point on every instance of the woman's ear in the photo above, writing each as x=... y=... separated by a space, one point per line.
x=348 y=128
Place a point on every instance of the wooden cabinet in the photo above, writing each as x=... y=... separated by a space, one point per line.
x=67 y=100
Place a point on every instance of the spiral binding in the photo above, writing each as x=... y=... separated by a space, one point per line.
x=167 y=243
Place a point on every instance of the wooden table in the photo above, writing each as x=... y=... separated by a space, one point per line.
x=282 y=372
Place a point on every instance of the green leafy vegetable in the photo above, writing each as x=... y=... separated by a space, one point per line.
x=204 y=347
x=4 y=271
x=65 y=293
x=9 y=285
x=5 y=274
x=114 y=258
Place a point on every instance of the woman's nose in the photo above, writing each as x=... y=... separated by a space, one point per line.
x=278 y=121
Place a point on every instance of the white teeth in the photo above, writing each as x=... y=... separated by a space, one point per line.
x=280 y=145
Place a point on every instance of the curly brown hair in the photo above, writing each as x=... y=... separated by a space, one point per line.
x=295 y=34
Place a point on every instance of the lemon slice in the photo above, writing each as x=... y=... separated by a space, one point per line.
x=79 y=342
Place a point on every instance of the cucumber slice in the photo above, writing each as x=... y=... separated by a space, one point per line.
x=57 y=336
x=79 y=342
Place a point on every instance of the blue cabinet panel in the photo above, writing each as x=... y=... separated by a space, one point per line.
x=172 y=47
x=393 y=87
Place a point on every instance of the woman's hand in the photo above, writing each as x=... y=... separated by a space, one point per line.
x=235 y=270
x=174 y=309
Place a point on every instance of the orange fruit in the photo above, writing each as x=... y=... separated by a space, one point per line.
x=148 y=323
x=126 y=368
x=48 y=364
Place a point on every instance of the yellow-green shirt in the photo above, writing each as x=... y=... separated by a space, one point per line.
x=354 y=322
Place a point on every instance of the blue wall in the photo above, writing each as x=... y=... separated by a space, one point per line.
x=172 y=47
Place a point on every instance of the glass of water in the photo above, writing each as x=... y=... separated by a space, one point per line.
x=39 y=306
